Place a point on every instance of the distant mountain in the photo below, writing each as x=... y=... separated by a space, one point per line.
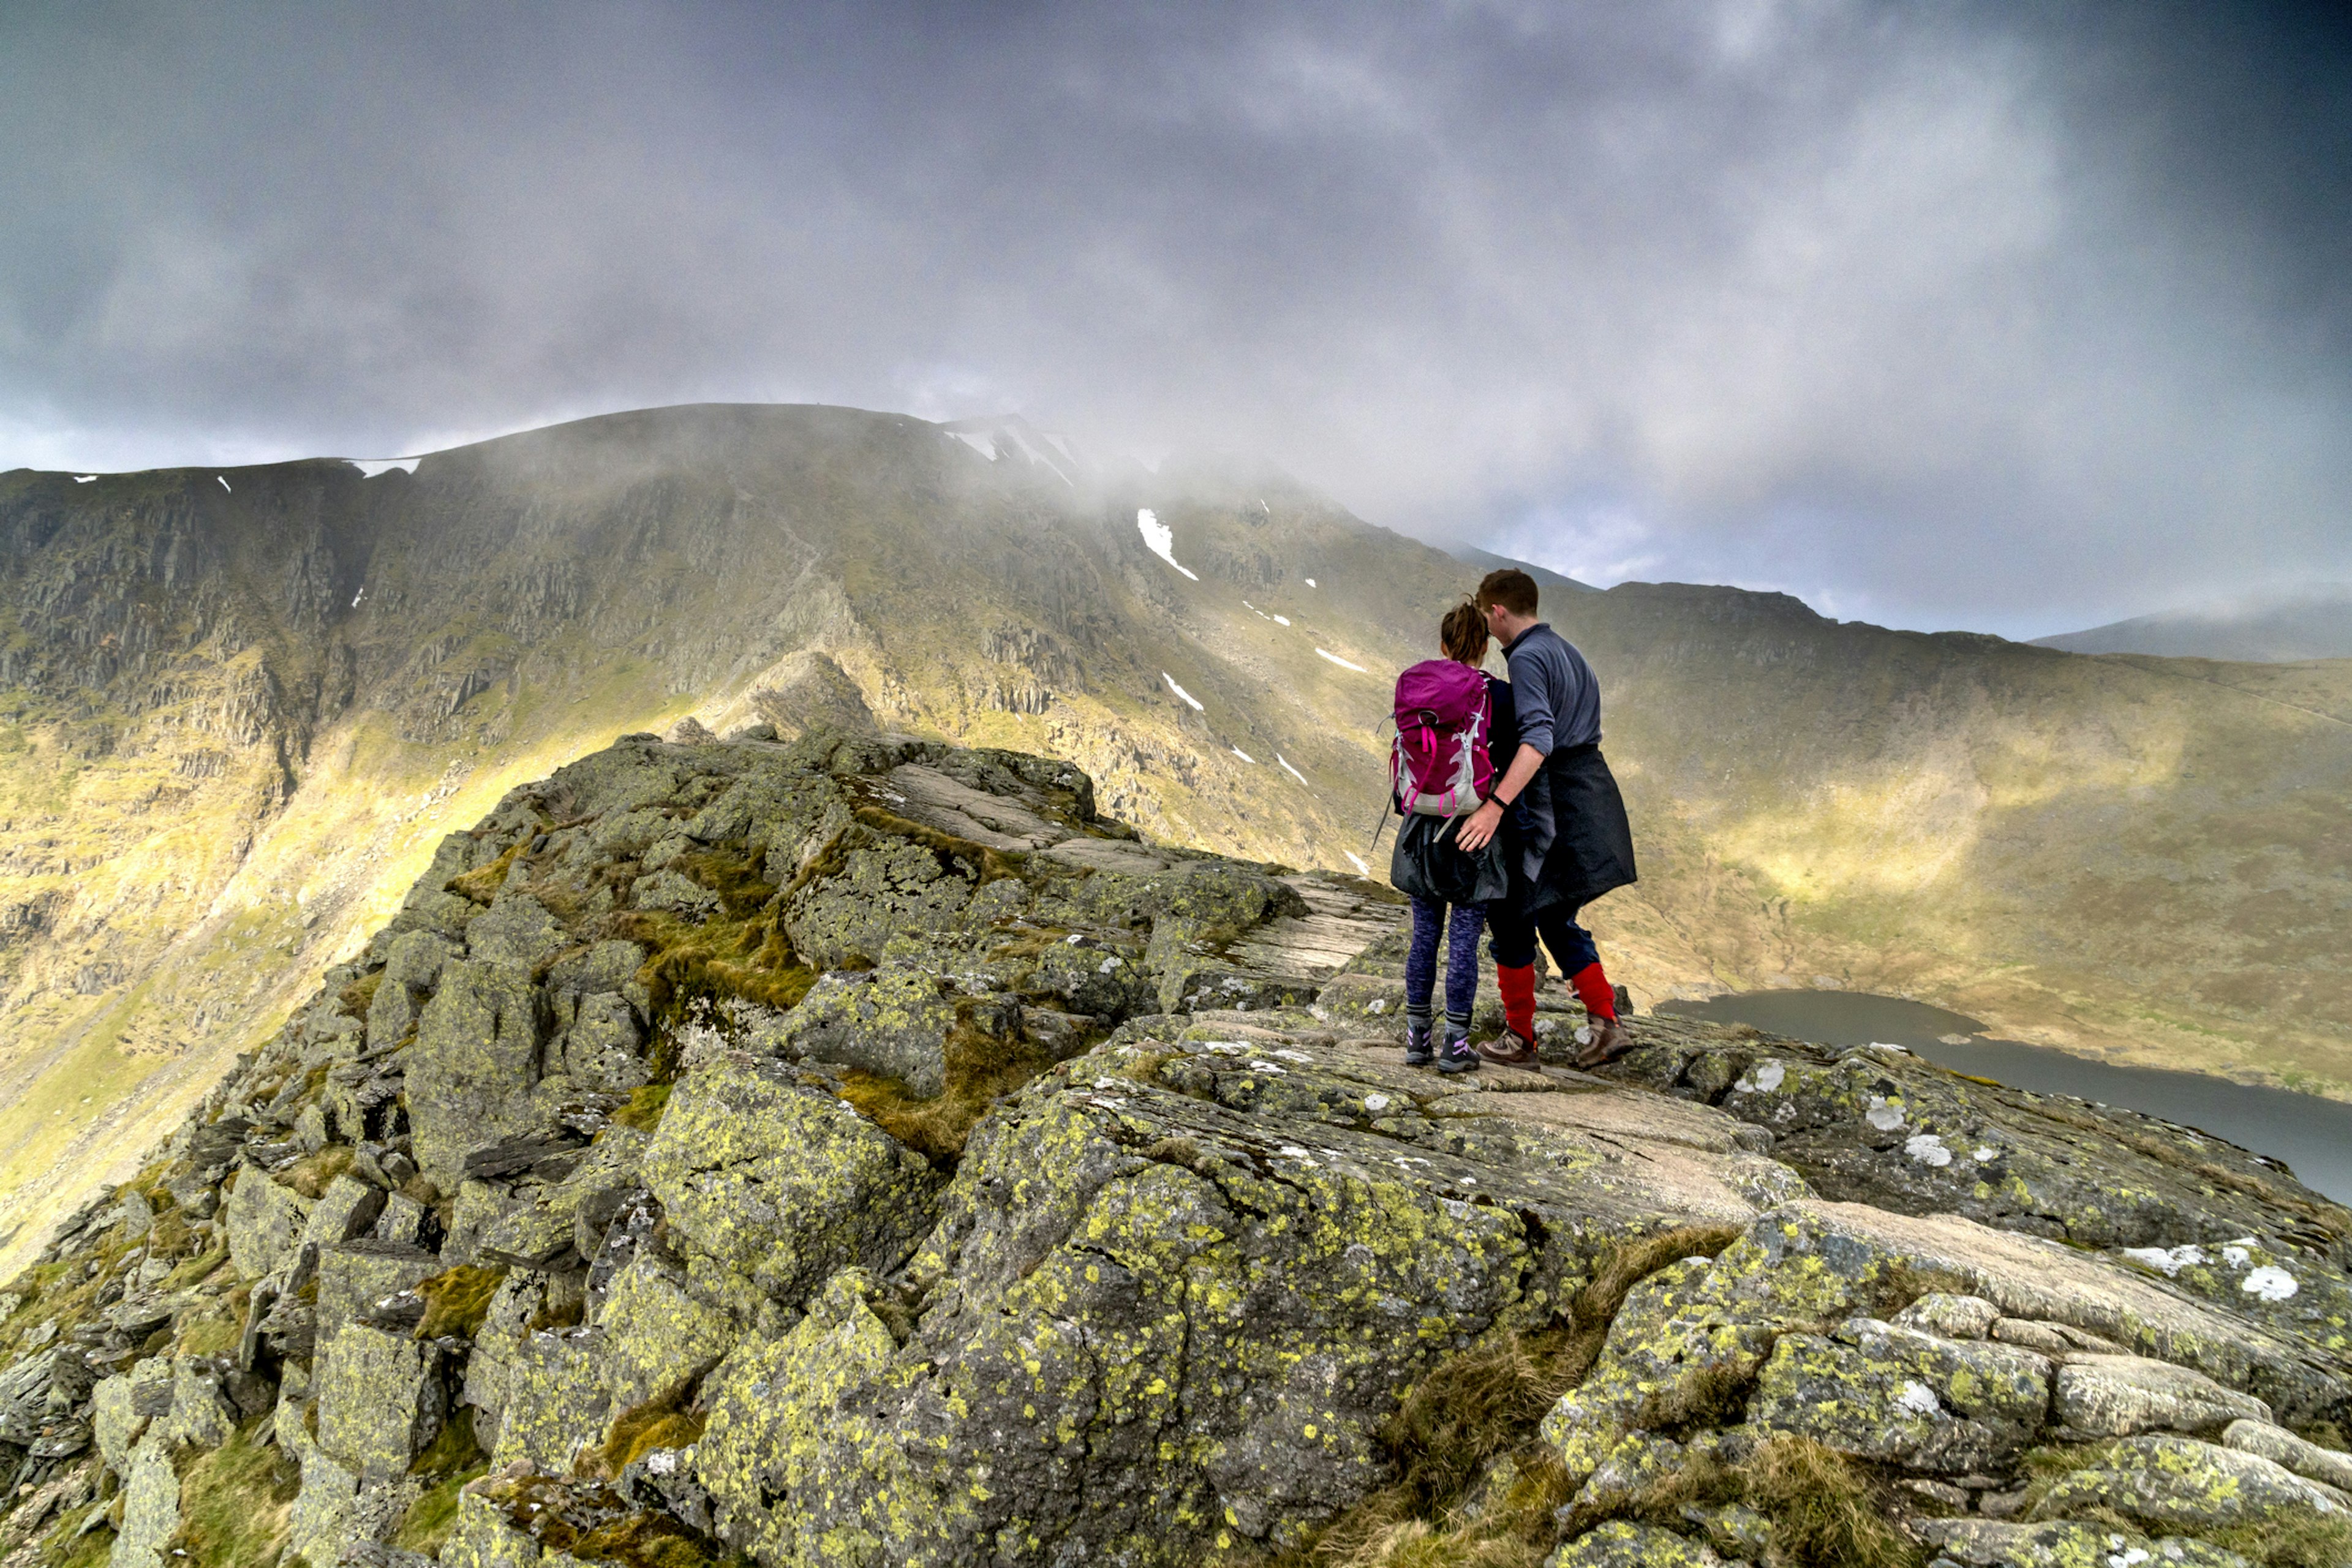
x=2269 y=628
x=239 y=708
x=1487 y=561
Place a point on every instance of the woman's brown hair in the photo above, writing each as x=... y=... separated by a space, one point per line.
x=1463 y=633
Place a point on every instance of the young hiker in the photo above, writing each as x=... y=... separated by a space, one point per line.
x=1440 y=770
x=1575 y=842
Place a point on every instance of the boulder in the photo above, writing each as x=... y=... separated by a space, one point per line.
x=472 y=1068
x=1621 y=1543
x=356 y=1275
x=151 y=1506
x=772 y=1183
x=603 y=1048
x=2119 y=1396
x=657 y=1337
x=346 y=1209
x=1898 y=1396
x=2167 y=1483
x=265 y=1221
x=201 y=1413
x=893 y=1022
x=381 y=1399
x=413 y=962
x=1990 y=1543
x=2308 y=1461
x=1953 y=1317
x=122 y=1406
x=516 y=929
x=557 y=1402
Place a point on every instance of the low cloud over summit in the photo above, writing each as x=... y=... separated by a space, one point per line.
x=1959 y=315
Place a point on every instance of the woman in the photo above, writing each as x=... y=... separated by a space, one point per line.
x=1448 y=887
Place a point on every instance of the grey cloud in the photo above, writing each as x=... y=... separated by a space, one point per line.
x=2012 y=317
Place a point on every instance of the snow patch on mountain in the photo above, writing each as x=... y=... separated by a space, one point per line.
x=1162 y=539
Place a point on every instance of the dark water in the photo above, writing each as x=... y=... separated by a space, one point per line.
x=2312 y=1135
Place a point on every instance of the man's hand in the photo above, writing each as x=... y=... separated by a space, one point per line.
x=1479 y=829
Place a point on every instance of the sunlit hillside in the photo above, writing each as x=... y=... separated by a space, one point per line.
x=245 y=704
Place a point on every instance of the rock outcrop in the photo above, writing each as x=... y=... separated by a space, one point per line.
x=859 y=1151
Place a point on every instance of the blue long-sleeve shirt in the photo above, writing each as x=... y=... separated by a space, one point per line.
x=1557 y=699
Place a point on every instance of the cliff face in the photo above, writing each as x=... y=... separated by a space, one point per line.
x=863 y=1151
x=245 y=706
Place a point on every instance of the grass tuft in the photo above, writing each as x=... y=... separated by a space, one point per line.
x=236 y=1502
x=457 y=1300
x=482 y=883
x=354 y=998
x=1480 y=1407
x=2303 y=1541
x=981 y=1069
x=637 y=1432
x=644 y=1111
x=1825 y=1510
x=312 y=1174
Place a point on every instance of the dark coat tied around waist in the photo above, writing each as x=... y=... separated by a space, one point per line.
x=1570 y=836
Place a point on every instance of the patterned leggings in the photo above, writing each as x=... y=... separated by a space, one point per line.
x=1429 y=924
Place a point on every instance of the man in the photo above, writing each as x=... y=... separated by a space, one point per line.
x=1568 y=841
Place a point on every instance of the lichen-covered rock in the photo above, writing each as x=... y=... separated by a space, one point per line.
x=472 y=1068
x=265 y=1223
x=1991 y=1544
x=485 y=1538
x=557 y=1401
x=201 y=1413
x=516 y=929
x=657 y=1337
x=603 y=1048
x=151 y=1506
x=773 y=1183
x=1954 y=1317
x=122 y=1406
x=1164 y=1310
x=2308 y=1461
x=358 y=1274
x=1898 y=1396
x=347 y=1208
x=2119 y=1396
x=2164 y=1483
x=893 y=1021
x=1623 y=1544
x=381 y=1399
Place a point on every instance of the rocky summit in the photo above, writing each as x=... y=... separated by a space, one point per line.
x=860 y=1150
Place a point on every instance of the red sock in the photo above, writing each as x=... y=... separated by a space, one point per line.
x=1592 y=989
x=1518 y=988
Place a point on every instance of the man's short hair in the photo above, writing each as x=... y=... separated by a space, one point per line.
x=1511 y=588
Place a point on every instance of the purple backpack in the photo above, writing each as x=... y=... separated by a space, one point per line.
x=1439 y=766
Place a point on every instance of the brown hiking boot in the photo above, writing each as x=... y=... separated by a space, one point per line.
x=1606 y=1040
x=1508 y=1050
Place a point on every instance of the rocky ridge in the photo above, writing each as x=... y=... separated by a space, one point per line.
x=862 y=1150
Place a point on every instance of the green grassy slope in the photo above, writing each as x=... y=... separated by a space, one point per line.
x=242 y=716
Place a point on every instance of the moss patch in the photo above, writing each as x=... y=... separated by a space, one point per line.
x=644 y=1111
x=457 y=1300
x=310 y=1175
x=981 y=1069
x=482 y=883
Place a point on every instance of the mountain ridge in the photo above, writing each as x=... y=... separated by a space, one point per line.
x=311 y=672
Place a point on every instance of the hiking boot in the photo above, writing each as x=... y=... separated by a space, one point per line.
x=1417 y=1045
x=1457 y=1056
x=1510 y=1049
x=1605 y=1039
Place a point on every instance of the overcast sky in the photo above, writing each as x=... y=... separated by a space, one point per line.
x=2017 y=317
